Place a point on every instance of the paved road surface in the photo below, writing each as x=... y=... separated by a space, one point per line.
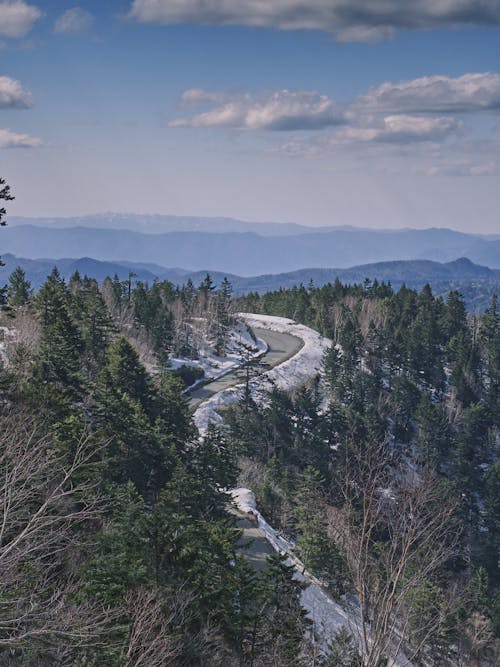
x=281 y=347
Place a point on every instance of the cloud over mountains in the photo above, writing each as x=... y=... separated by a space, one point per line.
x=428 y=117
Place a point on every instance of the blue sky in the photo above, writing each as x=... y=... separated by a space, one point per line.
x=376 y=113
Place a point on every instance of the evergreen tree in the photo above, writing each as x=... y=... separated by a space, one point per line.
x=137 y=448
x=313 y=545
x=286 y=620
x=56 y=375
x=19 y=289
x=342 y=651
x=222 y=317
x=434 y=437
x=5 y=195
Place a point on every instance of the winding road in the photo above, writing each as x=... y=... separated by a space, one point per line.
x=280 y=347
x=291 y=360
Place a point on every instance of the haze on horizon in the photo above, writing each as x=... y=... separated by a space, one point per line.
x=383 y=116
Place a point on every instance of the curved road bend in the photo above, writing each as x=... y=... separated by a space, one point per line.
x=327 y=615
x=281 y=347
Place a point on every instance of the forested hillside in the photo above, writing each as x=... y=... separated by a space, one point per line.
x=114 y=511
x=117 y=547
x=118 y=544
x=391 y=485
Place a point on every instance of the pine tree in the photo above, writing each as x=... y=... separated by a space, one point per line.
x=57 y=382
x=316 y=550
x=5 y=195
x=489 y=335
x=19 y=289
x=285 y=619
x=342 y=651
x=434 y=437
x=222 y=317
x=125 y=411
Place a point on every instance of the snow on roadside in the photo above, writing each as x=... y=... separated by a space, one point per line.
x=240 y=344
x=327 y=615
x=288 y=375
x=307 y=363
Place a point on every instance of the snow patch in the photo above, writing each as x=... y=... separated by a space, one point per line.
x=244 y=499
x=289 y=375
x=240 y=348
x=327 y=615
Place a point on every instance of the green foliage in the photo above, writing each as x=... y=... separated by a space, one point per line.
x=314 y=547
x=19 y=289
x=189 y=374
x=342 y=652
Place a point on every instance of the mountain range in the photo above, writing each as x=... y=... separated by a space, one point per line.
x=247 y=253
x=477 y=283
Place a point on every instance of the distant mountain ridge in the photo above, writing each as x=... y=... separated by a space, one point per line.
x=163 y=224
x=476 y=282
x=248 y=253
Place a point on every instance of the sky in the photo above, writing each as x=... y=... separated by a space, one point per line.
x=373 y=113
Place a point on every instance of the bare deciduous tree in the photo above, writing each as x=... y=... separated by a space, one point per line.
x=151 y=641
x=155 y=638
x=42 y=501
x=397 y=529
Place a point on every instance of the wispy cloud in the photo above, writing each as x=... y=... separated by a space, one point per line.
x=459 y=168
x=73 y=20
x=13 y=95
x=401 y=136
x=17 y=17
x=199 y=96
x=401 y=129
x=350 y=20
x=437 y=94
x=9 y=139
x=280 y=110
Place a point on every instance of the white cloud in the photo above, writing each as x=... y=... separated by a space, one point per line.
x=459 y=168
x=351 y=20
x=17 y=18
x=13 y=95
x=401 y=129
x=467 y=93
x=283 y=110
x=197 y=96
x=9 y=139
x=73 y=20
x=485 y=169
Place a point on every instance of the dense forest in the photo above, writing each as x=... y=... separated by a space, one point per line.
x=117 y=543
x=391 y=487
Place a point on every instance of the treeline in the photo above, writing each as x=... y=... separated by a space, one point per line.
x=166 y=319
x=179 y=320
x=393 y=477
x=116 y=544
